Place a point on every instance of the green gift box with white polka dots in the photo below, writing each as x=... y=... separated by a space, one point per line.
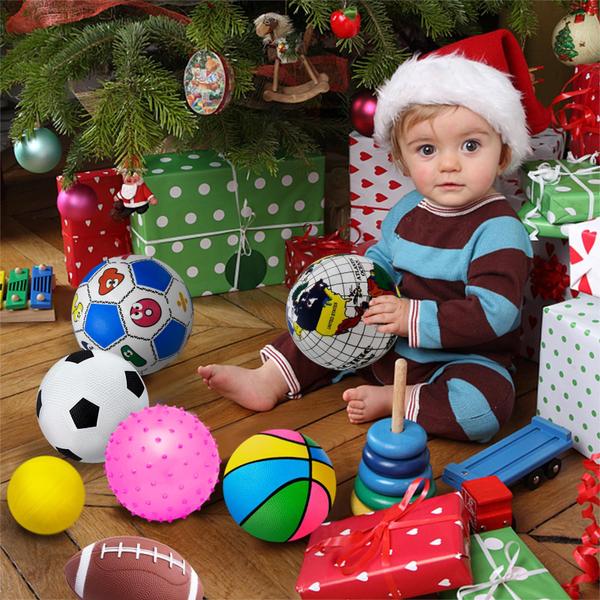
x=569 y=377
x=222 y=229
x=563 y=191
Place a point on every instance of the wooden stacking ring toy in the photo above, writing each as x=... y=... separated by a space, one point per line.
x=390 y=486
x=380 y=501
x=394 y=468
x=385 y=442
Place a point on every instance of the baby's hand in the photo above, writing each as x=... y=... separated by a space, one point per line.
x=390 y=313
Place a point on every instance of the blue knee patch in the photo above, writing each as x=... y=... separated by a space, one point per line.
x=472 y=410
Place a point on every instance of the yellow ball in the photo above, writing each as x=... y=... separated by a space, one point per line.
x=45 y=495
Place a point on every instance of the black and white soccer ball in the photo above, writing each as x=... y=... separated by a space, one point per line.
x=82 y=399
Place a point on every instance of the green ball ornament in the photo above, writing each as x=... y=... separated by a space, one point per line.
x=40 y=152
x=252 y=270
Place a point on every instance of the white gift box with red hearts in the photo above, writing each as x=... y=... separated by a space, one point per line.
x=375 y=187
x=584 y=256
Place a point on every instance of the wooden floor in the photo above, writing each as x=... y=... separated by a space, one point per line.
x=229 y=328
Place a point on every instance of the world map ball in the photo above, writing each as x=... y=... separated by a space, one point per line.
x=325 y=308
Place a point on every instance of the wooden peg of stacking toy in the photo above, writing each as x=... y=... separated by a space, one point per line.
x=394 y=456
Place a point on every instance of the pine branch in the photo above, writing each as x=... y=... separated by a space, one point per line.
x=522 y=19
x=316 y=12
x=213 y=21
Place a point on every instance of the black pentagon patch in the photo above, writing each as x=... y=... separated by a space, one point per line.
x=38 y=404
x=69 y=454
x=79 y=357
x=85 y=414
x=134 y=383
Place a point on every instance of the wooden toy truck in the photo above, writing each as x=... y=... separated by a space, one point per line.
x=529 y=453
x=27 y=300
x=489 y=503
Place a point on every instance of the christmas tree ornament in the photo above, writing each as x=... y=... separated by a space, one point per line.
x=345 y=23
x=208 y=82
x=576 y=37
x=134 y=195
x=278 y=34
x=39 y=152
x=362 y=112
x=77 y=203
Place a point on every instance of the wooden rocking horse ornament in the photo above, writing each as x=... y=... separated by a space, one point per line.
x=278 y=34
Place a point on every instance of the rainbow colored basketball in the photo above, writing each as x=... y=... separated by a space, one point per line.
x=279 y=485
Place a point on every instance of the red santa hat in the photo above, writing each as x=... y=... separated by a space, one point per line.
x=486 y=73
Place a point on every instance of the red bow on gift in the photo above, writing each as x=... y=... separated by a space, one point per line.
x=356 y=550
x=549 y=278
x=585 y=554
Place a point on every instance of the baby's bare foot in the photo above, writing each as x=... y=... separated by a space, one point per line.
x=256 y=389
x=368 y=402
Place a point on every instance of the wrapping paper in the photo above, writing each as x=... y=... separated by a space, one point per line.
x=505 y=569
x=382 y=555
x=584 y=257
x=224 y=230
x=569 y=381
x=87 y=243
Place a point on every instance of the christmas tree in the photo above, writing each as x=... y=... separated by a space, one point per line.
x=564 y=47
x=113 y=80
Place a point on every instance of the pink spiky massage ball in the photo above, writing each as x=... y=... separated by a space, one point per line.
x=162 y=463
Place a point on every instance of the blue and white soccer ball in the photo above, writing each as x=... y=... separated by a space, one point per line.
x=136 y=307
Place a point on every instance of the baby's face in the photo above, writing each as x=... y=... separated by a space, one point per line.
x=453 y=158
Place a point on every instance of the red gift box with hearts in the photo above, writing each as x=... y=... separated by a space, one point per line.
x=375 y=187
x=87 y=243
x=405 y=551
x=584 y=256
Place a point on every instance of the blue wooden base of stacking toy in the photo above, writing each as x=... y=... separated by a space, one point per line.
x=379 y=501
x=389 y=467
x=390 y=486
x=408 y=443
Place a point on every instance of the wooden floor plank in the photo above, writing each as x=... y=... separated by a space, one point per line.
x=12 y=584
x=261 y=305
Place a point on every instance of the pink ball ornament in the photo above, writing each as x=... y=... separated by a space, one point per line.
x=78 y=203
x=162 y=463
x=362 y=112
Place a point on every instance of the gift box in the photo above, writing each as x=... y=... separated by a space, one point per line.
x=584 y=257
x=504 y=568
x=375 y=187
x=405 y=551
x=569 y=376
x=548 y=284
x=580 y=115
x=224 y=230
x=547 y=145
x=87 y=243
x=562 y=191
x=538 y=226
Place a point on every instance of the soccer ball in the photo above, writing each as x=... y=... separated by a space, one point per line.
x=83 y=398
x=136 y=307
x=325 y=308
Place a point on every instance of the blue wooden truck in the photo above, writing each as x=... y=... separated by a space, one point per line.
x=528 y=453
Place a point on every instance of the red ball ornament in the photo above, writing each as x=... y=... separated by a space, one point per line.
x=78 y=203
x=345 y=23
x=362 y=112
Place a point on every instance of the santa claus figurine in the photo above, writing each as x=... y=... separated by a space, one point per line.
x=134 y=195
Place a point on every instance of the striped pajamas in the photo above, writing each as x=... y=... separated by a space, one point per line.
x=464 y=271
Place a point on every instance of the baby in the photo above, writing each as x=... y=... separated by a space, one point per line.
x=455 y=248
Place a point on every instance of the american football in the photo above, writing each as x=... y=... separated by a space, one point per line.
x=131 y=568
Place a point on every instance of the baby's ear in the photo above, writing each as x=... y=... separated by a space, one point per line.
x=505 y=158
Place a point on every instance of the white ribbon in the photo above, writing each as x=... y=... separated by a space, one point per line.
x=512 y=572
x=549 y=174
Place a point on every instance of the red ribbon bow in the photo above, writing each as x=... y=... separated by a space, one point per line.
x=360 y=547
x=585 y=554
x=549 y=278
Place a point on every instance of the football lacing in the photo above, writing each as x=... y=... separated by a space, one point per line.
x=138 y=550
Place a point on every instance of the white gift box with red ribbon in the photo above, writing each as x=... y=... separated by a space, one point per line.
x=584 y=256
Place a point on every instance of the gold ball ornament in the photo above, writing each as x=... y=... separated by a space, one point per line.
x=576 y=39
x=45 y=495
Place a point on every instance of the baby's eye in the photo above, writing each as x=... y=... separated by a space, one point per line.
x=471 y=145
x=426 y=150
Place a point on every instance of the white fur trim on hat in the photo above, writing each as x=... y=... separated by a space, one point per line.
x=455 y=80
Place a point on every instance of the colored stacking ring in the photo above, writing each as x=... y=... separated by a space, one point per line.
x=357 y=507
x=389 y=486
x=384 y=442
x=379 y=501
x=395 y=468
